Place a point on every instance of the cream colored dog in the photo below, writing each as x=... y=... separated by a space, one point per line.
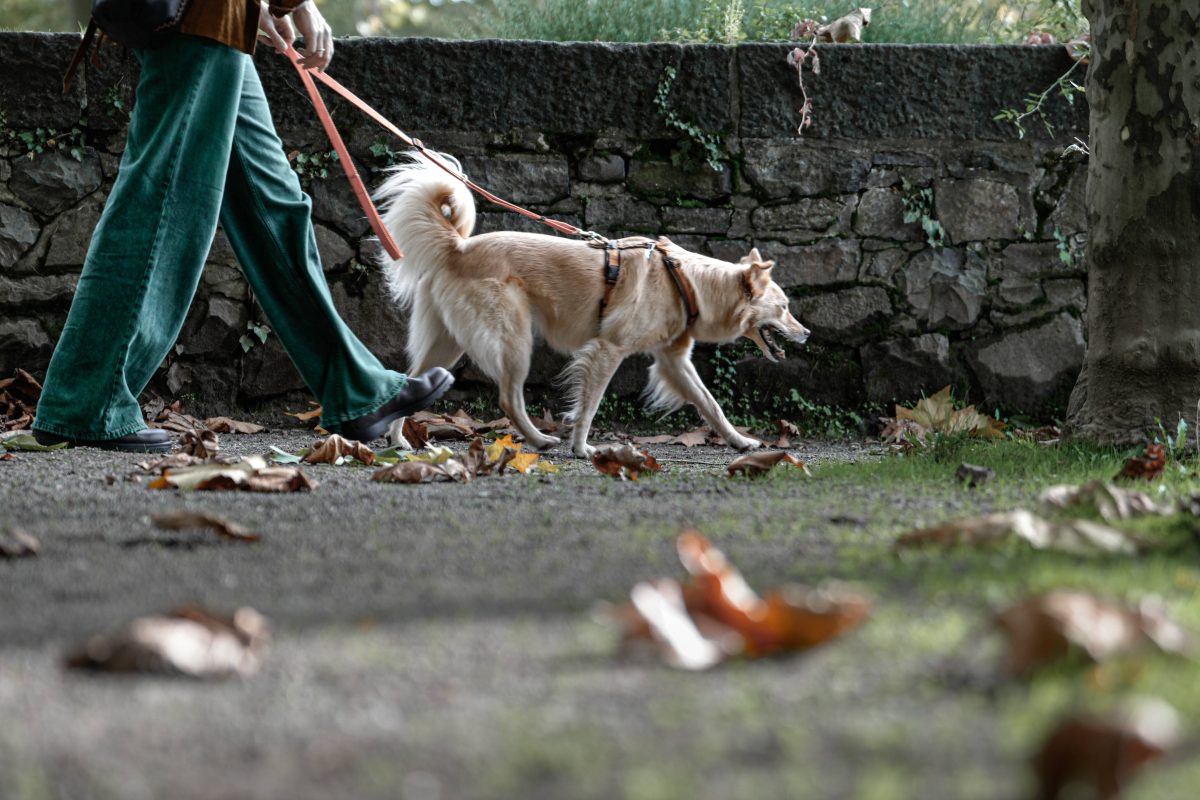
x=489 y=295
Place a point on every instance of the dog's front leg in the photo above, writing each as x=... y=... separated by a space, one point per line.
x=675 y=367
x=590 y=373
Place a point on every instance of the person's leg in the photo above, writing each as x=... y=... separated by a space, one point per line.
x=267 y=217
x=148 y=251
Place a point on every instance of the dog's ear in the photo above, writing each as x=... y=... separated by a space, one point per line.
x=758 y=276
x=750 y=259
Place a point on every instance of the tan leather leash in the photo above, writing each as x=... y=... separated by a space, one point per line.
x=306 y=77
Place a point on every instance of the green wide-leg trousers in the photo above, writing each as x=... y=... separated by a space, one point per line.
x=201 y=148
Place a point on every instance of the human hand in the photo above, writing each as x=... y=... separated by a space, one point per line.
x=278 y=29
x=318 y=36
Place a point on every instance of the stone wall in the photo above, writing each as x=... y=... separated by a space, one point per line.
x=573 y=130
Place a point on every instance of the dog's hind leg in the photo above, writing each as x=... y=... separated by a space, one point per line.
x=514 y=370
x=430 y=343
x=589 y=374
x=674 y=369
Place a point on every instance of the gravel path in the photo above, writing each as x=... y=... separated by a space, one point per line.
x=437 y=641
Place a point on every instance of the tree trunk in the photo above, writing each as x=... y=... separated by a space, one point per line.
x=1143 y=197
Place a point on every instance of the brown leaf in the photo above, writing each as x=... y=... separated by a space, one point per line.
x=189 y=641
x=624 y=461
x=754 y=464
x=1148 y=466
x=1106 y=752
x=183 y=520
x=1046 y=627
x=415 y=433
x=335 y=449
x=16 y=543
x=228 y=425
x=790 y=618
x=1079 y=536
x=411 y=472
x=307 y=416
x=938 y=413
x=663 y=438
x=786 y=431
x=201 y=444
x=249 y=474
x=18 y=401
x=173 y=461
x=693 y=438
x=176 y=422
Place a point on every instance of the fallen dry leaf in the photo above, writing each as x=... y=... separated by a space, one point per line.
x=1046 y=627
x=1111 y=502
x=201 y=444
x=715 y=615
x=754 y=464
x=662 y=438
x=786 y=431
x=228 y=425
x=189 y=641
x=790 y=618
x=624 y=461
x=693 y=438
x=249 y=474
x=1079 y=536
x=308 y=416
x=937 y=413
x=411 y=472
x=184 y=520
x=1148 y=466
x=661 y=607
x=173 y=461
x=1106 y=752
x=19 y=397
x=177 y=422
x=16 y=543
x=337 y=450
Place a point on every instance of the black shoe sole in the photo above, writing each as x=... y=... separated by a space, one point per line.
x=379 y=428
x=50 y=440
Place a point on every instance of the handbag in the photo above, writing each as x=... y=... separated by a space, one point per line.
x=138 y=23
x=132 y=23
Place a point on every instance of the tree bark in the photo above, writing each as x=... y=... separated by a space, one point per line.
x=1143 y=196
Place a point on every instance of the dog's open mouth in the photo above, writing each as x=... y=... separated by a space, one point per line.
x=776 y=352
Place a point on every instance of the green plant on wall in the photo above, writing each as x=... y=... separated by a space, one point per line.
x=918 y=207
x=35 y=141
x=708 y=143
x=310 y=166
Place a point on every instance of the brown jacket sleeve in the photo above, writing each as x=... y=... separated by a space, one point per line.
x=231 y=22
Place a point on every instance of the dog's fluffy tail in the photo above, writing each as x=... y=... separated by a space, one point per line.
x=430 y=214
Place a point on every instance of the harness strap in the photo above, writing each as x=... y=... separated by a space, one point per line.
x=612 y=272
x=686 y=292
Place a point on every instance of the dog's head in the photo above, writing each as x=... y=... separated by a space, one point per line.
x=767 y=308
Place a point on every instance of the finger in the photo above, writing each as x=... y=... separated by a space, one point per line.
x=328 y=45
x=284 y=27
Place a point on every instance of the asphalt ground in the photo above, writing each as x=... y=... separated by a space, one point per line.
x=439 y=641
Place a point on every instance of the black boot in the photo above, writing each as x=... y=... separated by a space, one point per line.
x=147 y=440
x=420 y=392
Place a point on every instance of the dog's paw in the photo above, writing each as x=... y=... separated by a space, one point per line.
x=583 y=451
x=543 y=442
x=744 y=443
x=395 y=435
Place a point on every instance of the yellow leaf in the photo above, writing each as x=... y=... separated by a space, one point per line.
x=432 y=455
x=496 y=448
x=546 y=467
x=523 y=461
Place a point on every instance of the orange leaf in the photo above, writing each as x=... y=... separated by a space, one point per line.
x=624 y=461
x=754 y=464
x=1148 y=466
x=336 y=450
